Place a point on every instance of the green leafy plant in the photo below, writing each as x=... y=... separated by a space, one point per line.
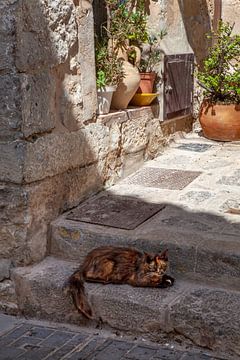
x=151 y=52
x=109 y=70
x=220 y=76
x=127 y=21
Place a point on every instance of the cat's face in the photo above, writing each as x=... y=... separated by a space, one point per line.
x=156 y=263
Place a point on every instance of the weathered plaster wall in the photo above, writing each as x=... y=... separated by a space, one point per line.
x=186 y=22
x=231 y=13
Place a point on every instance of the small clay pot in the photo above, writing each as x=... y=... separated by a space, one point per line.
x=146 y=83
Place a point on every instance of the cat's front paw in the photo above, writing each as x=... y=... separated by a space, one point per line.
x=167 y=281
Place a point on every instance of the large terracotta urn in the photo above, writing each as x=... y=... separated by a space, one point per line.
x=127 y=87
x=220 y=121
x=129 y=84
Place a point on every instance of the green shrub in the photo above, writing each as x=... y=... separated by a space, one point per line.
x=220 y=76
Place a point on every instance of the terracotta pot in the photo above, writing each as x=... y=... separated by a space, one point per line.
x=147 y=82
x=220 y=122
x=127 y=87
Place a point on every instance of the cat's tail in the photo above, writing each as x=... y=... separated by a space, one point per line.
x=75 y=287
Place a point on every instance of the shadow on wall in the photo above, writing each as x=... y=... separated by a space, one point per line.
x=55 y=67
x=197 y=22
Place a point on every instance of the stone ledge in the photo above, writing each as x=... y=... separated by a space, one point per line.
x=123 y=115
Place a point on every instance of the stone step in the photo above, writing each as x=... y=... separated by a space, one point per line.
x=205 y=314
x=198 y=242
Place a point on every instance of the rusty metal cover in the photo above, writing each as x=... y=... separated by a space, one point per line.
x=123 y=212
x=171 y=179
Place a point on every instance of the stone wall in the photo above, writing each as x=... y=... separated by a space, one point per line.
x=47 y=94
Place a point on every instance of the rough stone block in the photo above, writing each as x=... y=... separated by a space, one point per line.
x=110 y=167
x=11 y=161
x=86 y=58
x=156 y=139
x=40 y=295
x=10 y=104
x=210 y=317
x=97 y=140
x=70 y=102
x=8 y=10
x=7 y=291
x=28 y=210
x=46 y=33
x=131 y=162
x=73 y=240
x=6 y=54
x=5 y=265
x=54 y=154
x=113 y=118
x=38 y=103
x=134 y=137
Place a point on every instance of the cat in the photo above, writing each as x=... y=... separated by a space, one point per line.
x=117 y=265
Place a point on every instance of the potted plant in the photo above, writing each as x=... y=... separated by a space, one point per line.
x=220 y=78
x=126 y=28
x=109 y=72
x=150 y=58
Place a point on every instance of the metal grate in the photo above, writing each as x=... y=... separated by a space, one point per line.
x=121 y=212
x=171 y=179
x=194 y=147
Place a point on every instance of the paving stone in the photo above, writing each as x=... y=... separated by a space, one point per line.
x=40 y=332
x=7 y=353
x=231 y=179
x=194 y=147
x=58 y=337
x=38 y=354
x=26 y=342
x=89 y=346
x=76 y=341
x=192 y=356
x=230 y=205
x=7 y=323
x=196 y=197
x=167 y=354
x=88 y=350
x=141 y=353
x=14 y=334
x=110 y=347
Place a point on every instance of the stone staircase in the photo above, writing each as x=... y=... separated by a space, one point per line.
x=186 y=200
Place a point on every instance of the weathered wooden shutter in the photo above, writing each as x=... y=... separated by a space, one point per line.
x=178 y=85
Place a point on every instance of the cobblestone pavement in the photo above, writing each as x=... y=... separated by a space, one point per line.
x=25 y=340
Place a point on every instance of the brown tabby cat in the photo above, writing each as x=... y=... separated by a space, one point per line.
x=118 y=265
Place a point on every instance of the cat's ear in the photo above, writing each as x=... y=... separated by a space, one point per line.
x=164 y=255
